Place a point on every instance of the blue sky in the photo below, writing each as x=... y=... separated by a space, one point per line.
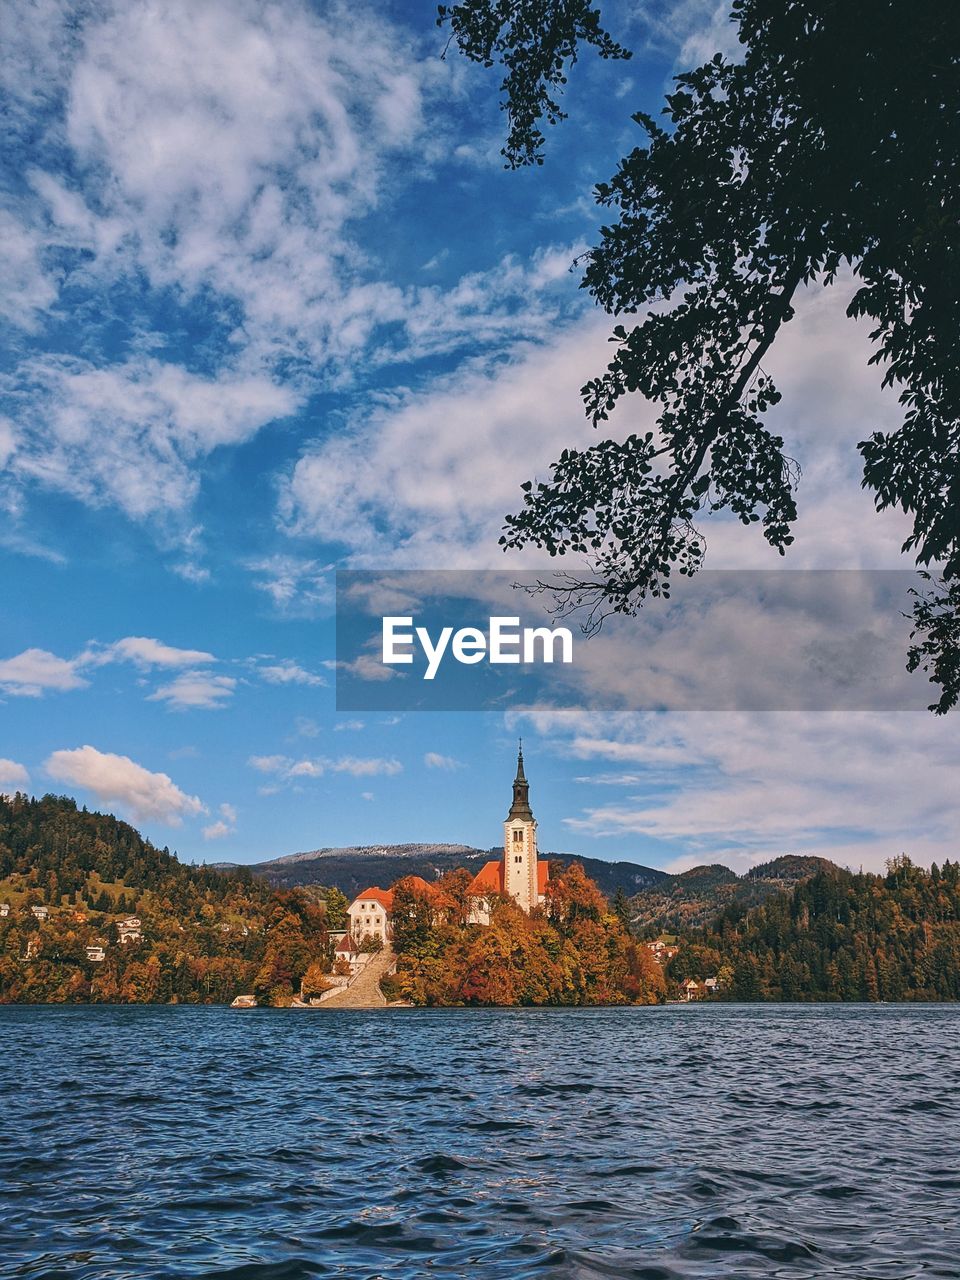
x=273 y=306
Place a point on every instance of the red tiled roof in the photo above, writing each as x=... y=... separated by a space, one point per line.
x=345 y=944
x=489 y=879
x=423 y=886
x=383 y=896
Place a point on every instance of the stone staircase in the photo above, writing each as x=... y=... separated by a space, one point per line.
x=364 y=991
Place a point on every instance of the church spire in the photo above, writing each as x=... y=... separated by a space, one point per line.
x=521 y=793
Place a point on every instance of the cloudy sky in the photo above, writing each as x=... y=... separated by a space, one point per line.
x=272 y=306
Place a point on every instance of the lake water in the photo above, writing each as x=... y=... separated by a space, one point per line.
x=677 y=1142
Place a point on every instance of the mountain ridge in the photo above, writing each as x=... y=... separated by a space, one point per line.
x=659 y=899
x=353 y=868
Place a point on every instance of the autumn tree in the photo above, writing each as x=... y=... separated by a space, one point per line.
x=454 y=895
x=413 y=918
x=337 y=903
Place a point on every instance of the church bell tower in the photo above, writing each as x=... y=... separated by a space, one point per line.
x=520 y=872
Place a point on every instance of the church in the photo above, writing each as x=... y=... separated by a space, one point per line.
x=518 y=873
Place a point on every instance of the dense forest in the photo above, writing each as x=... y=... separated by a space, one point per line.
x=838 y=936
x=68 y=881
x=692 y=899
x=576 y=951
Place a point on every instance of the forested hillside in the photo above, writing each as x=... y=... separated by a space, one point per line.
x=90 y=911
x=70 y=881
x=693 y=898
x=838 y=936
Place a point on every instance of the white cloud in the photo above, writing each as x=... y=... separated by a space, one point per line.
x=130 y=434
x=268 y=764
x=225 y=825
x=28 y=290
x=13 y=774
x=433 y=760
x=307 y=769
x=145 y=653
x=740 y=788
x=238 y=170
x=225 y=154
x=318 y=767
x=289 y=672
x=293 y=583
x=195 y=689
x=118 y=780
x=707 y=29
x=427 y=481
x=215 y=152
x=31 y=673
x=366 y=768
x=368 y=667
x=35 y=671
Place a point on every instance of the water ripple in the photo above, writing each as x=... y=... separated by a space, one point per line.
x=661 y=1144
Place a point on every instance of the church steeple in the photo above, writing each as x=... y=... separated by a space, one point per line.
x=520 y=809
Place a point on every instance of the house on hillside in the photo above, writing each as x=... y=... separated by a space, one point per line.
x=40 y=913
x=129 y=930
x=96 y=954
x=665 y=947
x=4 y=909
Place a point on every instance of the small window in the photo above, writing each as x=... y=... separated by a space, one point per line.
x=518 y=857
x=518 y=837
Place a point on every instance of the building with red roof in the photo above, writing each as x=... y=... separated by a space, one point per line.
x=518 y=873
x=370 y=914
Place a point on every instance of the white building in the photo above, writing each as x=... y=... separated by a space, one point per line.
x=519 y=873
x=129 y=929
x=41 y=913
x=370 y=915
x=96 y=954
